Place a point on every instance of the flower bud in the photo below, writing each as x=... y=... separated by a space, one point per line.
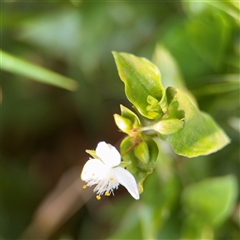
x=168 y=126
x=123 y=124
x=141 y=152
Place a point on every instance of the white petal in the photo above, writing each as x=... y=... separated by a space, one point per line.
x=108 y=154
x=126 y=179
x=93 y=169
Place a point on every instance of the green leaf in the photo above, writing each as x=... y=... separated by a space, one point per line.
x=141 y=79
x=200 y=134
x=21 y=67
x=138 y=166
x=212 y=200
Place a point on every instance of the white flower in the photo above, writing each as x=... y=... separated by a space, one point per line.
x=105 y=173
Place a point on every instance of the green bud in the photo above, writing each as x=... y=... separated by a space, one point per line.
x=151 y=100
x=153 y=108
x=127 y=113
x=123 y=124
x=168 y=126
x=163 y=103
x=141 y=152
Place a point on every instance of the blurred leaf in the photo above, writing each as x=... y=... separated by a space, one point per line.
x=170 y=72
x=130 y=226
x=176 y=40
x=146 y=215
x=209 y=36
x=194 y=8
x=211 y=200
x=229 y=6
x=21 y=67
x=200 y=134
x=234 y=122
x=76 y=3
x=57 y=32
x=141 y=79
x=225 y=83
x=162 y=189
x=195 y=228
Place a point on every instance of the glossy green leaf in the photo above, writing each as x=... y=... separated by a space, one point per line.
x=21 y=67
x=138 y=166
x=141 y=79
x=212 y=200
x=200 y=134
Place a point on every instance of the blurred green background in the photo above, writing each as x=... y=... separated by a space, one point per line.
x=49 y=119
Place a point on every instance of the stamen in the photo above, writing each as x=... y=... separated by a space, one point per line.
x=111 y=179
x=107 y=194
x=84 y=186
x=98 y=197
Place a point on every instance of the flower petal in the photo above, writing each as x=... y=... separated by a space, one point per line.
x=93 y=169
x=108 y=154
x=126 y=179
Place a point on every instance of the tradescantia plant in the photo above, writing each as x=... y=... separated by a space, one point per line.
x=166 y=114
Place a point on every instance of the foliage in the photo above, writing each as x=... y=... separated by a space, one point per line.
x=180 y=140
